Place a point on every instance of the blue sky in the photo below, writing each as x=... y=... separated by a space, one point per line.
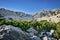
x=29 y=6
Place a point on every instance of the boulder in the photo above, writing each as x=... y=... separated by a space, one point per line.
x=35 y=38
x=45 y=38
x=32 y=31
x=3 y=30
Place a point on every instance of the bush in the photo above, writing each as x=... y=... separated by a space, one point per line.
x=38 y=25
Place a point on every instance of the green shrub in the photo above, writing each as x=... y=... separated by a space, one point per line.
x=38 y=25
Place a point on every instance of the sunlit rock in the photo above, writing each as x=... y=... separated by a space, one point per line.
x=45 y=38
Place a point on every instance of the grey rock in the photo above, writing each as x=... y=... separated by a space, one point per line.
x=16 y=34
x=32 y=31
x=35 y=38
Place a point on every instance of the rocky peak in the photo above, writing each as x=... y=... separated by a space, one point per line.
x=47 y=13
x=51 y=15
x=2 y=9
x=42 y=13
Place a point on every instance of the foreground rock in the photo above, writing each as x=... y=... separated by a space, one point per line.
x=32 y=31
x=13 y=33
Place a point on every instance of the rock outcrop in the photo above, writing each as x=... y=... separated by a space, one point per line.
x=13 y=33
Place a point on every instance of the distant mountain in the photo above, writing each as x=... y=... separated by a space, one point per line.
x=49 y=15
x=46 y=13
x=53 y=15
x=7 y=14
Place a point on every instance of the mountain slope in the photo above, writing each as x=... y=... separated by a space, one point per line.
x=7 y=14
x=49 y=15
x=53 y=15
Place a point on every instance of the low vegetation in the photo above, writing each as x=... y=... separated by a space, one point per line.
x=38 y=25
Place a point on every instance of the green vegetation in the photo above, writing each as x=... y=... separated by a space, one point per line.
x=38 y=25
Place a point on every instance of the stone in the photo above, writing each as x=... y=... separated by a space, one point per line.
x=35 y=38
x=32 y=31
x=45 y=38
x=51 y=32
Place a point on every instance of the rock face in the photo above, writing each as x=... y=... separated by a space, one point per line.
x=9 y=15
x=53 y=15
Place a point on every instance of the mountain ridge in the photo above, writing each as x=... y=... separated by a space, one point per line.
x=53 y=15
x=15 y=15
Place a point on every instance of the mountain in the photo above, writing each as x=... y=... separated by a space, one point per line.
x=49 y=15
x=46 y=13
x=53 y=15
x=12 y=15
